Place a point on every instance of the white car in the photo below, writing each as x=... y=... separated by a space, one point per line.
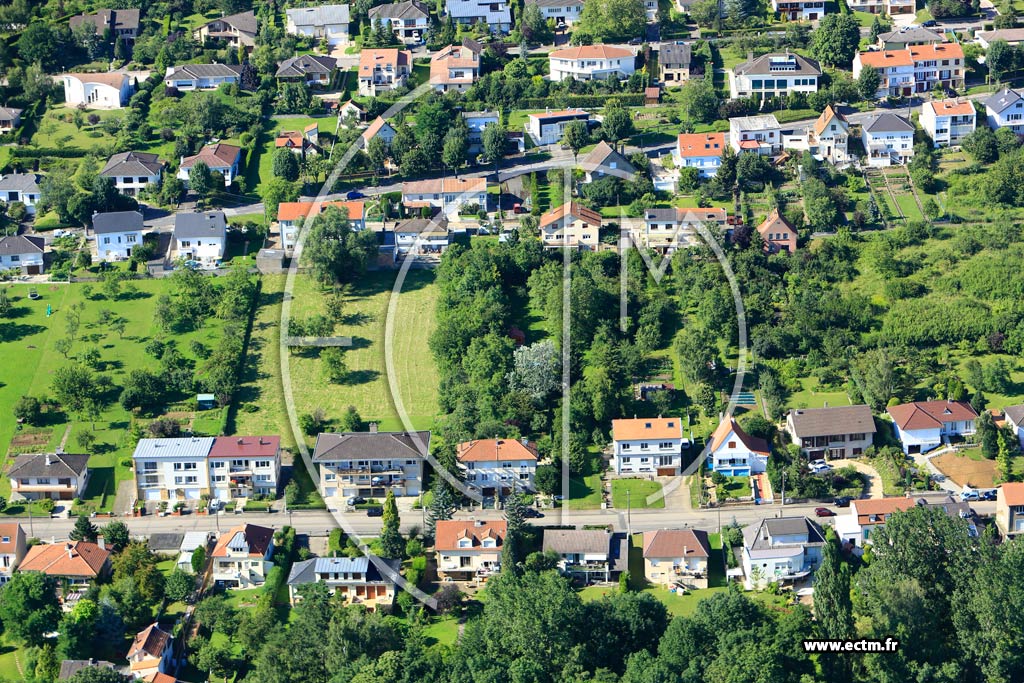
x=816 y=465
x=969 y=494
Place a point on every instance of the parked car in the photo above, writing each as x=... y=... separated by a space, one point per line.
x=355 y=195
x=814 y=465
x=969 y=494
x=842 y=502
x=531 y=513
x=989 y=495
x=938 y=477
x=355 y=500
x=375 y=512
x=823 y=512
x=929 y=23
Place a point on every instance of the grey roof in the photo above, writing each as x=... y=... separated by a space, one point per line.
x=367 y=445
x=554 y=3
x=469 y=9
x=179 y=447
x=565 y=541
x=304 y=65
x=117 y=221
x=604 y=157
x=9 y=113
x=759 y=122
x=835 y=420
x=126 y=19
x=479 y=115
x=203 y=71
x=1015 y=413
x=319 y=16
x=1010 y=35
x=200 y=224
x=69 y=667
x=415 y=226
x=60 y=465
x=410 y=9
x=674 y=56
x=164 y=541
x=910 y=36
x=193 y=540
x=781 y=64
x=21 y=182
x=754 y=535
x=306 y=571
x=20 y=244
x=954 y=508
x=133 y=164
x=889 y=123
x=245 y=22
x=1003 y=99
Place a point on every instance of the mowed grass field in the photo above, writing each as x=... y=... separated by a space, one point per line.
x=367 y=386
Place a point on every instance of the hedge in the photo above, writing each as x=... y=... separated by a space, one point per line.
x=583 y=101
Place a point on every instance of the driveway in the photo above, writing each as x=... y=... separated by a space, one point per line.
x=874 y=488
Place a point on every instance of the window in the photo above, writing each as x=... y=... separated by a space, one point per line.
x=262 y=463
x=106 y=240
x=216 y=464
x=219 y=478
x=130 y=238
x=15 y=257
x=506 y=465
x=732 y=444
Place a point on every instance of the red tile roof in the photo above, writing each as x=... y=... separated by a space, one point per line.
x=12 y=532
x=291 y=211
x=448 y=533
x=259 y=539
x=647 y=428
x=721 y=433
x=74 y=558
x=930 y=414
x=245 y=447
x=1013 y=493
x=574 y=209
x=491 y=450
x=879 y=508
x=694 y=145
x=151 y=643
x=591 y=52
x=675 y=542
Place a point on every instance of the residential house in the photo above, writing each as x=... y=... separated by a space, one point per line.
x=674 y=61
x=1014 y=416
x=606 y=160
x=455 y=67
x=313 y=70
x=10 y=118
x=328 y=23
x=122 y=23
x=549 y=128
x=948 y=122
x=494 y=13
x=244 y=466
x=219 y=156
x=409 y=19
x=117 y=233
x=498 y=466
x=570 y=225
x=589 y=555
x=665 y=230
x=469 y=549
x=422 y=236
x=1005 y=109
x=888 y=139
x=1010 y=509
x=830 y=135
x=865 y=517
x=351 y=115
x=23 y=252
x=383 y=69
x=70 y=667
x=379 y=128
x=890 y=7
x=674 y=556
x=915 y=69
x=133 y=171
x=298 y=142
x=924 y=425
x=20 y=187
x=591 y=62
x=799 y=10
x=201 y=237
x=76 y=562
x=358 y=580
x=237 y=30
x=780 y=549
x=831 y=433
x=774 y=75
x=777 y=234
x=562 y=12
x=241 y=558
x=476 y=121
x=292 y=215
x=201 y=76
x=97 y=91
x=702 y=151
x=1011 y=36
x=12 y=549
x=59 y=476
x=761 y=134
x=648 y=445
x=151 y=652
x=371 y=463
x=172 y=469
x=448 y=194
x=735 y=453
x=902 y=38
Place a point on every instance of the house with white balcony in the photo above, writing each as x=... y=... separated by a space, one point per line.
x=835 y=432
x=455 y=67
x=588 y=554
x=244 y=466
x=923 y=425
x=353 y=580
x=117 y=233
x=219 y=157
x=735 y=453
x=914 y=69
x=761 y=134
x=97 y=91
x=830 y=136
x=450 y=195
x=948 y=122
x=780 y=550
x=888 y=139
x=677 y=556
x=329 y=23
x=469 y=549
x=383 y=69
x=890 y=7
x=426 y=237
x=476 y=121
x=172 y=469
x=13 y=547
x=201 y=237
x=21 y=187
x=201 y=76
x=648 y=445
x=799 y=10
x=409 y=19
x=291 y=216
x=865 y=518
x=774 y=75
x=570 y=225
x=562 y=12
x=24 y=253
x=58 y=476
x=498 y=466
x=495 y=14
x=371 y=463
x=549 y=128
x=236 y=30
x=133 y=171
x=702 y=151
x=591 y=62
x=313 y=70
x=241 y=558
x=1004 y=109
x=666 y=230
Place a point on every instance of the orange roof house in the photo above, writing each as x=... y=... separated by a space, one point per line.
x=469 y=548
x=495 y=450
x=76 y=561
x=695 y=145
x=637 y=429
x=151 y=651
x=292 y=212
x=924 y=425
x=777 y=233
x=733 y=452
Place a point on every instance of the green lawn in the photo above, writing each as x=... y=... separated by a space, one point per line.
x=639 y=490
x=738 y=487
x=57 y=129
x=263 y=161
x=683 y=605
x=584 y=492
x=12 y=657
x=442 y=632
x=813 y=396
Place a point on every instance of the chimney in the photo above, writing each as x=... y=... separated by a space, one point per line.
x=101 y=542
x=478 y=522
x=750 y=55
x=70 y=548
x=261 y=441
x=373 y=427
x=241 y=441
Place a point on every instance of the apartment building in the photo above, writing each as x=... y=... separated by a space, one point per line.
x=355 y=580
x=774 y=75
x=651 y=445
x=383 y=69
x=665 y=230
x=469 y=549
x=832 y=433
x=570 y=225
x=498 y=466
x=915 y=69
x=948 y=122
x=371 y=463
x=58 y=476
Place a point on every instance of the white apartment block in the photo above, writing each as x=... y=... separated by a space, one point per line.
x=948 y=122
x=498 y=466
x=648 y=446
x=371 y=463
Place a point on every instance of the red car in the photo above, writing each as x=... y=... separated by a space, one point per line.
x=823 y=512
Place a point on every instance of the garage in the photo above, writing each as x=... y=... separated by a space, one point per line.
x=33 y=270
x=191 y=494
x=153 y=494
x=222 y=494
x=330 y=492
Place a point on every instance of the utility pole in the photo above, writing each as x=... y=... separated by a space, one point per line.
x=629 y=517
x=783 y=489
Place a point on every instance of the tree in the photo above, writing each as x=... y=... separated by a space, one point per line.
x=179 y=585
x=617 y=124
x=335 y=368
x=215 y=658
x=200 y=179
x=515 y=513
x=981 y=144
x=98 y=674
x=28 y=409
x=877 y=28
x=455 y=147
x=494 y=138
x=836 y=39
x=29 y=607
x=40 y=44
x=442 y=506
x=391 y=543
x=334 y=251
x=534 y=26
x=868 y=83
x=698 y=100
x=575 y=136
x=77 y=630
x=613 y=20
x=547 y=479
x=275 y=191
x=832 y=605
x=536 y=370
x=84 y=530
x=286 y=165
x=198 y=560
x=115 y=536
x=351 y=421
x=377 y=151
x=136 y=562
x=999 y=58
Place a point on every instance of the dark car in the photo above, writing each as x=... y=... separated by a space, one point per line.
x=929 y=23
x=636 y=41
x=355 y=195
x=989 y=495
x=531 y=513
x=842 y=502
x=823 y=512
x=356 y=500
x=375 y=512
